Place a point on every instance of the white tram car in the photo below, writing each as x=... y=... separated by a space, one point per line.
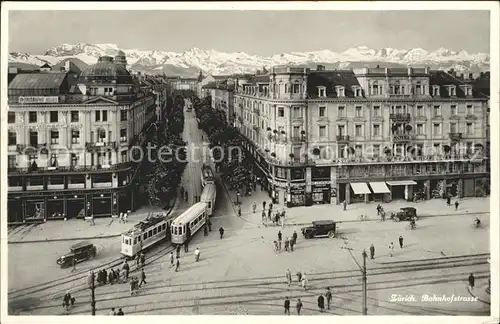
x=207 y=175
x=208 y=196
x=144 y=234
x=194 y=218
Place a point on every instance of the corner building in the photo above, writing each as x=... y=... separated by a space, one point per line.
x=70 y=133
x=327 y=136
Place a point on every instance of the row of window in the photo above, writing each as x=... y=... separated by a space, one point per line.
x=75 y=137
x=100 y=115
x=152 y=232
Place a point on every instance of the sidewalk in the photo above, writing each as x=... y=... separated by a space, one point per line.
x=480 y=292
x=78 y=229
x=304 y=215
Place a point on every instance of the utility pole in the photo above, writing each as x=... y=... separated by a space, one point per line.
x=92 y=288
x=363 y=272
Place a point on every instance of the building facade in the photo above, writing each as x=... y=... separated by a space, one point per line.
x=182 y=83
x=320 y=136
x=221 y=94
x=69 y=141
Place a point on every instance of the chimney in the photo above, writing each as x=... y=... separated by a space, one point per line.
x=471 y=76
x=426 y=70
x=320 y=68
x=410 y=70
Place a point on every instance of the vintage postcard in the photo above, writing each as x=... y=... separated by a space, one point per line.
x=287 y=159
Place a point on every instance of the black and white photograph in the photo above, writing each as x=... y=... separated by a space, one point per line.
x=286 y=159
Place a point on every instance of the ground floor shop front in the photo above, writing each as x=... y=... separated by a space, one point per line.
x=73 y=204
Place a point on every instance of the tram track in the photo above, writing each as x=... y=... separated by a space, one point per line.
x=269 y=282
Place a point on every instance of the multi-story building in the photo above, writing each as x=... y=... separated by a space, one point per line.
x=322 y=136
x=221 y=94
x=70 y=136
x=183 y=83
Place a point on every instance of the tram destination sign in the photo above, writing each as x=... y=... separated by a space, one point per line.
x=38 y=99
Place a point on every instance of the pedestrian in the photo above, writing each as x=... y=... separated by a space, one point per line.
x=197 y=254
x=344 y=205
x=132 y=286
x=269 y=215
x=372 y=252
x=298 y=306
x=205 y=230
x=186 y=247
x=143 y=278
x=67 y=300
x=221 y=232
x=294 y=237
x=111 y=276
x=291 y=244
x=178 y=251
x=401 y=241
x=299 y=277
x=263 y=205
x=138 y=260
x=92 y=223
x=143 y=259
x=287 y=306
x=239 y=211
x=254 y=207
x=275 y=246
x=328 y=296
x=270 y=206
x=448 y=200
x=104 y=276
x=263 y=216
x=177 y=264
x=121 y=218
x=112 y=312
x=391 y=249
x=120 y=312
x=125 y=217
x=209 y=225
x=321 y=303
x=456 y=204
x=304 y=281
x=74 y=265
x=378 y=209
x=171 y=259
x=472 y=280
x=287 y=244
x=288 y=276
x=279 y=240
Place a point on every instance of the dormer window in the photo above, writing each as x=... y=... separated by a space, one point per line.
x=375 y=89
x=452 y=90
x=357 y=91
x=435 y=90
x=340 y=91
x=418 y=88
x=467 y=90
x=321 y=91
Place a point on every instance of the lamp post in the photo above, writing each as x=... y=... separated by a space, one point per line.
x=363 y=273
x=92 y=288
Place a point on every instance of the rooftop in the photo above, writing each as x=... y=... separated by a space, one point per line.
x=37 y=81
x=329 y=80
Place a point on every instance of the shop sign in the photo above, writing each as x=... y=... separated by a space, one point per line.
x=297 y=191
x=38 y=99
x=320 y=188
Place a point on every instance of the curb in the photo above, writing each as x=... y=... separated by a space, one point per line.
x=480 y=299
x=82 y=238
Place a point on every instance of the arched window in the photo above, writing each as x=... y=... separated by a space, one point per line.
x=101 y=135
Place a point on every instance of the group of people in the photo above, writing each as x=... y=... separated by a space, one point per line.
x=327 y=296
x=391 y=248
x=301 y=278
x=68 y=301
x=113 y=312
x=289 y=242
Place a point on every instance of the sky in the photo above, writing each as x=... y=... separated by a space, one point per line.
x=254 y=32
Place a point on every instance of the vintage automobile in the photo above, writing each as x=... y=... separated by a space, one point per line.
x=406 y=214
x=80 y=252
x=323 y=228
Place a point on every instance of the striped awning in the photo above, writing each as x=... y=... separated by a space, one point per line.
x=360 y=188
x=379 y=187
x=401 y=183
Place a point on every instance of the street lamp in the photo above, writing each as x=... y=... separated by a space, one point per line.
x=363 y=273
x=238 y=197
x=92 y=288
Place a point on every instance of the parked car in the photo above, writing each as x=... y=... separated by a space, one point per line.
x=406 y=214
x=80 y=252
x=324 y=228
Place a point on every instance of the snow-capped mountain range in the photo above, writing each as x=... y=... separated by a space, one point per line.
x=213 y=62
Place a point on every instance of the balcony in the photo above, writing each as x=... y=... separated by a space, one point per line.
x=69 y=169
x=343 y=138
x=20 y=148
x=99 y=145
x=403 y=138
x=455 y=137
x=401 y=118
x=298 y=139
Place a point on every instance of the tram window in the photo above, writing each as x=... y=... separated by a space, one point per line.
x=163 y=227
x=145 y=235
x=209 y=204
x=175 y=230
x=150 y=233
x=154 y=231
x=135 y=240
x=139 y=238
x=180 y=230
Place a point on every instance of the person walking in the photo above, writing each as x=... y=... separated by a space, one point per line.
x=456 y=204
x=321 y=303
x=143 y=278
x=177 y=264
x=298 y=306
x=288 y=276
x=299 y=277
x=209 y=223
x=472 y=281
x=270 y=206
x=138 y=260
x=143 y=259
x=400 y=241
x=125 y=217
x=172 y=259
x=294 y=237
x=287 y=306
x=254 y=207
x=197 y=254
x=205 y=230
x=178 y=251
x=120 y=312
x=68 y=300
x=263 y=206
x=133 y=286
x=372 y=252
x=279 y=240
x=73 y=262
x=126 y=267
x=287 y=244
x=221 y=232
x=304 y=281
x=112 y=312
x=92 y=223
x=186 y=247
x=292 y=243
x=448 y=200
x=239 y=211
x=328 y=296
x=391 y=249
x=344 y=205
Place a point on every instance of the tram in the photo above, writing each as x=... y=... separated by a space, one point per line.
x=208 y=196
x=188 y=222
x=207 y=175
x=145 y=234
